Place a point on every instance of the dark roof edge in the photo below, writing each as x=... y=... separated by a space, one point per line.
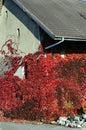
x=47 y=30
x=35 y=19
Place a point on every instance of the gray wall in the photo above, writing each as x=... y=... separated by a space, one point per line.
x=12 y=18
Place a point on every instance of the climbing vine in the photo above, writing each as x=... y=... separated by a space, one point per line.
x=53 y=86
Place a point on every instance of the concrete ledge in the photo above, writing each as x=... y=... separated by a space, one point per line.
x=19 y=126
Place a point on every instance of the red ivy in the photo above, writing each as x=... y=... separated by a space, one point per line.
x=53 y=86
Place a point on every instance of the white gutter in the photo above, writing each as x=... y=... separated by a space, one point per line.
x=48 y=47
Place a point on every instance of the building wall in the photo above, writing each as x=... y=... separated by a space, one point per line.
x=16 y=25
x=0 y=5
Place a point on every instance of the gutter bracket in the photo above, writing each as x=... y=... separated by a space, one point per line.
x=48 y=47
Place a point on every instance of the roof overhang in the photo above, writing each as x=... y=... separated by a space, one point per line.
x=44 y=27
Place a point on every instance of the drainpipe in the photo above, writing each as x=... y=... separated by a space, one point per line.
x=48 y=47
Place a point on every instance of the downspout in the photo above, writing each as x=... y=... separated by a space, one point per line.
x=48 y=47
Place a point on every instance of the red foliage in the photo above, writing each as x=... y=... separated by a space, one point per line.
x=53 y=86
x=10 y=95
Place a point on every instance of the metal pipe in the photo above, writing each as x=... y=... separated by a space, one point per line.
x=48 y=47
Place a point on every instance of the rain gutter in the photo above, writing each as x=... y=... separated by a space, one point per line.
x=55 y=44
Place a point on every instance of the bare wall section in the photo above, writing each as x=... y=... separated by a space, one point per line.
x=16 y=25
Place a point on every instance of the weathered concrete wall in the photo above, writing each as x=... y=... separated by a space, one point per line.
x=15 y=24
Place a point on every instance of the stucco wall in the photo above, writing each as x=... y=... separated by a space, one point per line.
x=13 y=18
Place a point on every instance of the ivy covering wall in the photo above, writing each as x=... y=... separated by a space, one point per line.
x=52 y=86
